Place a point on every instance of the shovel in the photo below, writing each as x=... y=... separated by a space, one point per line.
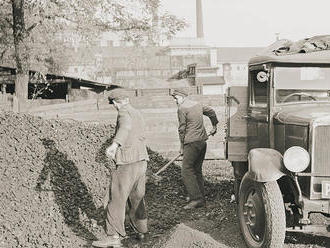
x=155 y=177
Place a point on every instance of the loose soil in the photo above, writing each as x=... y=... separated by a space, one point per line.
x=54 y=176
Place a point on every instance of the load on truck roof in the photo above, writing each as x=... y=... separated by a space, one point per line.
x=315 y=50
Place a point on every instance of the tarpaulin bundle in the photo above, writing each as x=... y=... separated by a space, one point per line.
x=313 y=44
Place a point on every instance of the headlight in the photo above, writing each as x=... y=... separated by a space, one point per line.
x=296 y=159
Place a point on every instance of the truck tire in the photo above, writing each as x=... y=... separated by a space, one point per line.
x=261 y=214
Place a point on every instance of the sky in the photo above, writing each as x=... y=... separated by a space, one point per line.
x=253 y=23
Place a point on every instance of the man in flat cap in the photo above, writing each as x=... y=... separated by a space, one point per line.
x=193 y=138
x=128 y=150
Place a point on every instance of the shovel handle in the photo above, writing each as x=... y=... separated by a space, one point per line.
x=168 y=164
x=171 y=161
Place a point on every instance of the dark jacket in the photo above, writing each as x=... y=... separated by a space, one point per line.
x=191 y=125
x=130 y=136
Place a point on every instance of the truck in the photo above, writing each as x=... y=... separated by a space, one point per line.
x=278 y=142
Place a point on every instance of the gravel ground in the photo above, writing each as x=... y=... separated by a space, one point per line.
x=54 y=176
x=52 y=181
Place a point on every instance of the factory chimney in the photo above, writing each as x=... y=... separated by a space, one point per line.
x=199 y=19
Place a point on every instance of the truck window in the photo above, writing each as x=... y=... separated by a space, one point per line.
x=258 y=89
x=301 y=84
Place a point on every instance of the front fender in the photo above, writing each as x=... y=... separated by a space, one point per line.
x=265 y=165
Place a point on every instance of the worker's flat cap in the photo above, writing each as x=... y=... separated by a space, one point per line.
x=117 y=94
x=179 y=92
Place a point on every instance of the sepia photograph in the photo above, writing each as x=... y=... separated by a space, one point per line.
x=164 y=124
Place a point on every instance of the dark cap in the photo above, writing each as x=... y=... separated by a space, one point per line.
x=117 y=94
x=179 y=92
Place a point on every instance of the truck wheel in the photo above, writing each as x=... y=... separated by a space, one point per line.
x=261 y=214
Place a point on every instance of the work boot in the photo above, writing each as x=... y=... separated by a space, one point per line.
x=195 y=204
x=109 y=241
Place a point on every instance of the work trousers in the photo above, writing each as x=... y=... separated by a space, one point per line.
x=127 y=189
x=192 y=174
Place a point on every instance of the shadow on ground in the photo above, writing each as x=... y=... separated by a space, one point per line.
x=70 y=193
x=306 y=239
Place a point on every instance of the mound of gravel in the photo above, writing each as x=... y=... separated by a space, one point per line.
x=185 y=237
x=53 y=179
x=54 y=176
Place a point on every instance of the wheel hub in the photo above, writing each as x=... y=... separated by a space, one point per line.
x=254 y=215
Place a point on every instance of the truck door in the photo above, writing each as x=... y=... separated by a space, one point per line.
x=257 y=114
x=236 y=129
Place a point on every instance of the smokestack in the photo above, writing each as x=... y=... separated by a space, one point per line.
x=199 y=19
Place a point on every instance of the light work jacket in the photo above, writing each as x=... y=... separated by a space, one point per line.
x=130 y=136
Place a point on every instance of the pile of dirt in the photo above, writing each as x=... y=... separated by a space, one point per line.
x=54 y=176
x=186 y=237
x=53 y=179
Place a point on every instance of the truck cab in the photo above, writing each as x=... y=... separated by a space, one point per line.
x=278 y=139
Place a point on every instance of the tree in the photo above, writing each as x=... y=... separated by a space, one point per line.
x=30 y=29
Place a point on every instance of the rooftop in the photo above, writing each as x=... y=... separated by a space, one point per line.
x=52 y=78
